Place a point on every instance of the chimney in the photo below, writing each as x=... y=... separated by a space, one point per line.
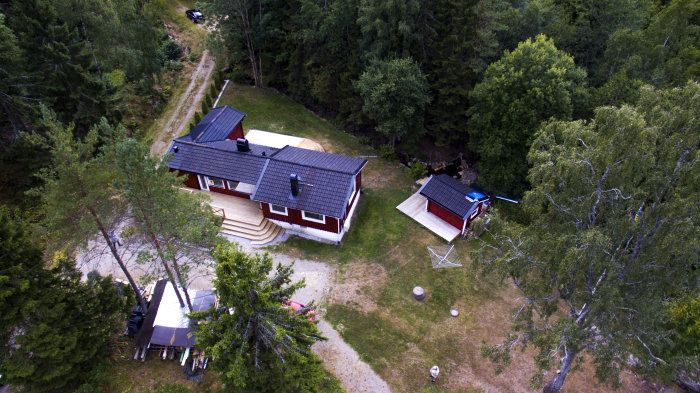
x=175 y=149
x=242 y=144
x=294 y=182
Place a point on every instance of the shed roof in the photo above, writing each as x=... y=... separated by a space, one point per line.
x=216 y=125
x=451 y=194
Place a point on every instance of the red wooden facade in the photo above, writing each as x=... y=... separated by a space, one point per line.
x=453 y=219
x=445 y=215
x=236 y=133
x=294 y=217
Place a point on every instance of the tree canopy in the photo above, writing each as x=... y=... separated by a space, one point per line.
x=614 y=215
x=395 y=94
x=525 y=87
x=259 y=344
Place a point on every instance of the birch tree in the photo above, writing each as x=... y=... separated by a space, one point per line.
x=611 y=240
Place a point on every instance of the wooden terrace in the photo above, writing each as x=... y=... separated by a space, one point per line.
x=415 y=207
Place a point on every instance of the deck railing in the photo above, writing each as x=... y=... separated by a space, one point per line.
x=219 y=211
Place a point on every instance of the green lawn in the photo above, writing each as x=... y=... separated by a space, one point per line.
x=379 y=262
x=385 y=324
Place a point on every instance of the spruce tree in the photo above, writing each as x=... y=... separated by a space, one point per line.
x=258 y=344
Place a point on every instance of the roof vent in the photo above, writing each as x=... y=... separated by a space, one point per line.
x=242 y=144
x=175 y=149
x=294 y=183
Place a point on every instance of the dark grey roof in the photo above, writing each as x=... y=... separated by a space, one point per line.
x=230 y=145
x=216 y=125
x=451 y=194
x=322 y=160
x=322 y=191
x=214 y=162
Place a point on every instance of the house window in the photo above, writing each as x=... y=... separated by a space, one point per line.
x=232 y=185
x=476 y=213
x=215 y=182
x=314 y=217
x=278 y=209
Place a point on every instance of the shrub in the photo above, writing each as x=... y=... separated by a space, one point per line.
x=197 y=118
x=218 y=80
x=171 y=50
x=207 y=98
x=205 y=106
x=364 y=140
x=213 y=91
x=417 y=170
x=387 y=152
x=192 y=126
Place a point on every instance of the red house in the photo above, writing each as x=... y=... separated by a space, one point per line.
x=304 y=191
x=452 y=201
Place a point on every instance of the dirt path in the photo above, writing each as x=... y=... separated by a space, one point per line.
x=339 y=358
x=174 y=121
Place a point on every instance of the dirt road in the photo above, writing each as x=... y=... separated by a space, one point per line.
x=174 y=121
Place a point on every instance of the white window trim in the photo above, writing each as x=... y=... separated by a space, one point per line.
x=303 y=215
x=286 y=211
x=203 y=182
x=476 y=213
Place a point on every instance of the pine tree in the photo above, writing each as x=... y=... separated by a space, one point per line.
x=177 y=225
x=77 y=198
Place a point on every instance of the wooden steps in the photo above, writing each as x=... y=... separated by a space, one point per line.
x=243 y=218
x=259 y=234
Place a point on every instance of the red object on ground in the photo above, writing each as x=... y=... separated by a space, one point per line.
x=299 y=308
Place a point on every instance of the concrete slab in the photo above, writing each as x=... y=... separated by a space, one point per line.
x=415 y=207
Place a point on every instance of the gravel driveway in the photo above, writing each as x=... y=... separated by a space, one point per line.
x=339 y=358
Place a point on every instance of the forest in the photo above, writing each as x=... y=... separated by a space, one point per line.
x=584 y=111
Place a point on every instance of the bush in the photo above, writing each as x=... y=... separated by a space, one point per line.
x=205 y=107
x=240 y=77
x=387 y=152
x=208 y=98
x=363 y=140
x=417 y=170
x=173 y=65
x=197 y=118
x=218 y=80
x=171 y=50
x=192 y=125
x=213 y=91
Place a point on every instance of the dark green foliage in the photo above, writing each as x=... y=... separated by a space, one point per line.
x=260 y=346
x=524 y=88
x=218 y=80
x=395 y=94
x=60 y=328
x=22 y=277
x=197 y=117
x=208 y=99
x=213 y=92
x=417 y=170
x=170 y=50
x=191 y=126
x=206 y=106
x=387 y=152
x=613 y=209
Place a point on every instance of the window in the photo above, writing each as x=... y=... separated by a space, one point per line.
x=202 y=182
x=232 y=184
x=278 y=209
x=215 y=182
x=314 y=217
x=476 y=213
